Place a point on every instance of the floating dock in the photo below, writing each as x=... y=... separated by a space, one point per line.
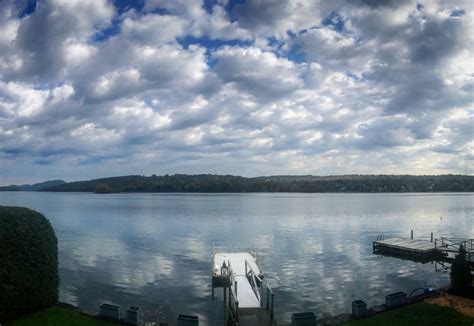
x=441 y=249
x=408 y=246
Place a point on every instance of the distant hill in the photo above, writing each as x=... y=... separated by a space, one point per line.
x=33 y=187
x=309 y=184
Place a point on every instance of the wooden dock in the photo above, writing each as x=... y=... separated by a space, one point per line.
x=409 y=246
x=441 y=249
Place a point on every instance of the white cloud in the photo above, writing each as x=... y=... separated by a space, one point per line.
x=177 y=88
x=259 y=73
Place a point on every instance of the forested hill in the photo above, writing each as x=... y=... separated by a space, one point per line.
x=33 y=187
x=229 y=183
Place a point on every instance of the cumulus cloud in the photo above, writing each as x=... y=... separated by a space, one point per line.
x=93 y=88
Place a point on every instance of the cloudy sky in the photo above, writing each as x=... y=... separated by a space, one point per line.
x=92 y=88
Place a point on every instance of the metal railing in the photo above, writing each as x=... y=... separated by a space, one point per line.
x=270 y=301
x=233 y=300
x=454 y=243
x=253 y=277
x=222 y=246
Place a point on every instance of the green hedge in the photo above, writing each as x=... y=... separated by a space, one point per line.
x=28 y=262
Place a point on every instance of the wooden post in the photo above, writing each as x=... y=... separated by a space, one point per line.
x=271 y=311
x=431 y=236
x=225 y=295
x=412 y=234
x=237 y=311
x=235 y=286
x=268 y=297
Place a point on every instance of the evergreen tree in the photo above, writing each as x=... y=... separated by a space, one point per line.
x=460 y=270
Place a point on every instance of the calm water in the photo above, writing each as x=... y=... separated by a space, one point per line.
x=154 y=250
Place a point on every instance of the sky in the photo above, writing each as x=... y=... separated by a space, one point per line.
x=96 y=88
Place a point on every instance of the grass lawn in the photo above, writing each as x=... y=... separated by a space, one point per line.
x=57 y=316
x=419 y=313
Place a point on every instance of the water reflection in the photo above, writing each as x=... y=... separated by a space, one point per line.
x=154 y=250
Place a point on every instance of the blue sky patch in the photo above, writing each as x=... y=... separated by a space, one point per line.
x=274 y=42
x=232 y=3
x=208 y=5
x=458 y=12
x=211 y=44
x=159 y=11
x=335 y=20
x=126 y=5
x=296 y=55
x=29 y=9
x=107 y=32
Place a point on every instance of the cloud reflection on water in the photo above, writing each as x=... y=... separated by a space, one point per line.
x=154 y=251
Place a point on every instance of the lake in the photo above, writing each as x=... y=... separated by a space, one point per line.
x=154 y=250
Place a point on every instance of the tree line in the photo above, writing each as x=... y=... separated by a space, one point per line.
x=306 y=184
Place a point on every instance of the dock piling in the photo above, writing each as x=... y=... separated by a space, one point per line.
x=431 y=236
x=271 y=309
x=237 y=311
x=268 y=297
x=412 y=234
x=225 y=295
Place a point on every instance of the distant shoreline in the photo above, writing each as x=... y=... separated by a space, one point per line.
x=449 y=193
x=210 y=183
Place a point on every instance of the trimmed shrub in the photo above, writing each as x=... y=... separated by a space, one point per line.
x=28 y=262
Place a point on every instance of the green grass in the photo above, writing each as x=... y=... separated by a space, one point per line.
x=420 y=313
x=57 y=316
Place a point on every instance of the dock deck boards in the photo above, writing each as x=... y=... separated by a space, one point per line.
x=418 y=246
x=424 y=250
x=245 y=294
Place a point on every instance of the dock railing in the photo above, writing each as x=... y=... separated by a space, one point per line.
x=233 y=300
x=270 y=301
x=253 y=277
x=218 y=246
x=453 y=244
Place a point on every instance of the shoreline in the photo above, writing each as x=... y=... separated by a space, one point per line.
x=443 y=299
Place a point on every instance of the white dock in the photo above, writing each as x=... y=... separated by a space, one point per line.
x=241 y=279
x=237 y=261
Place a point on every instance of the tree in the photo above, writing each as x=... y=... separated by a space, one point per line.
x=103 y=189
x=460 y=270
